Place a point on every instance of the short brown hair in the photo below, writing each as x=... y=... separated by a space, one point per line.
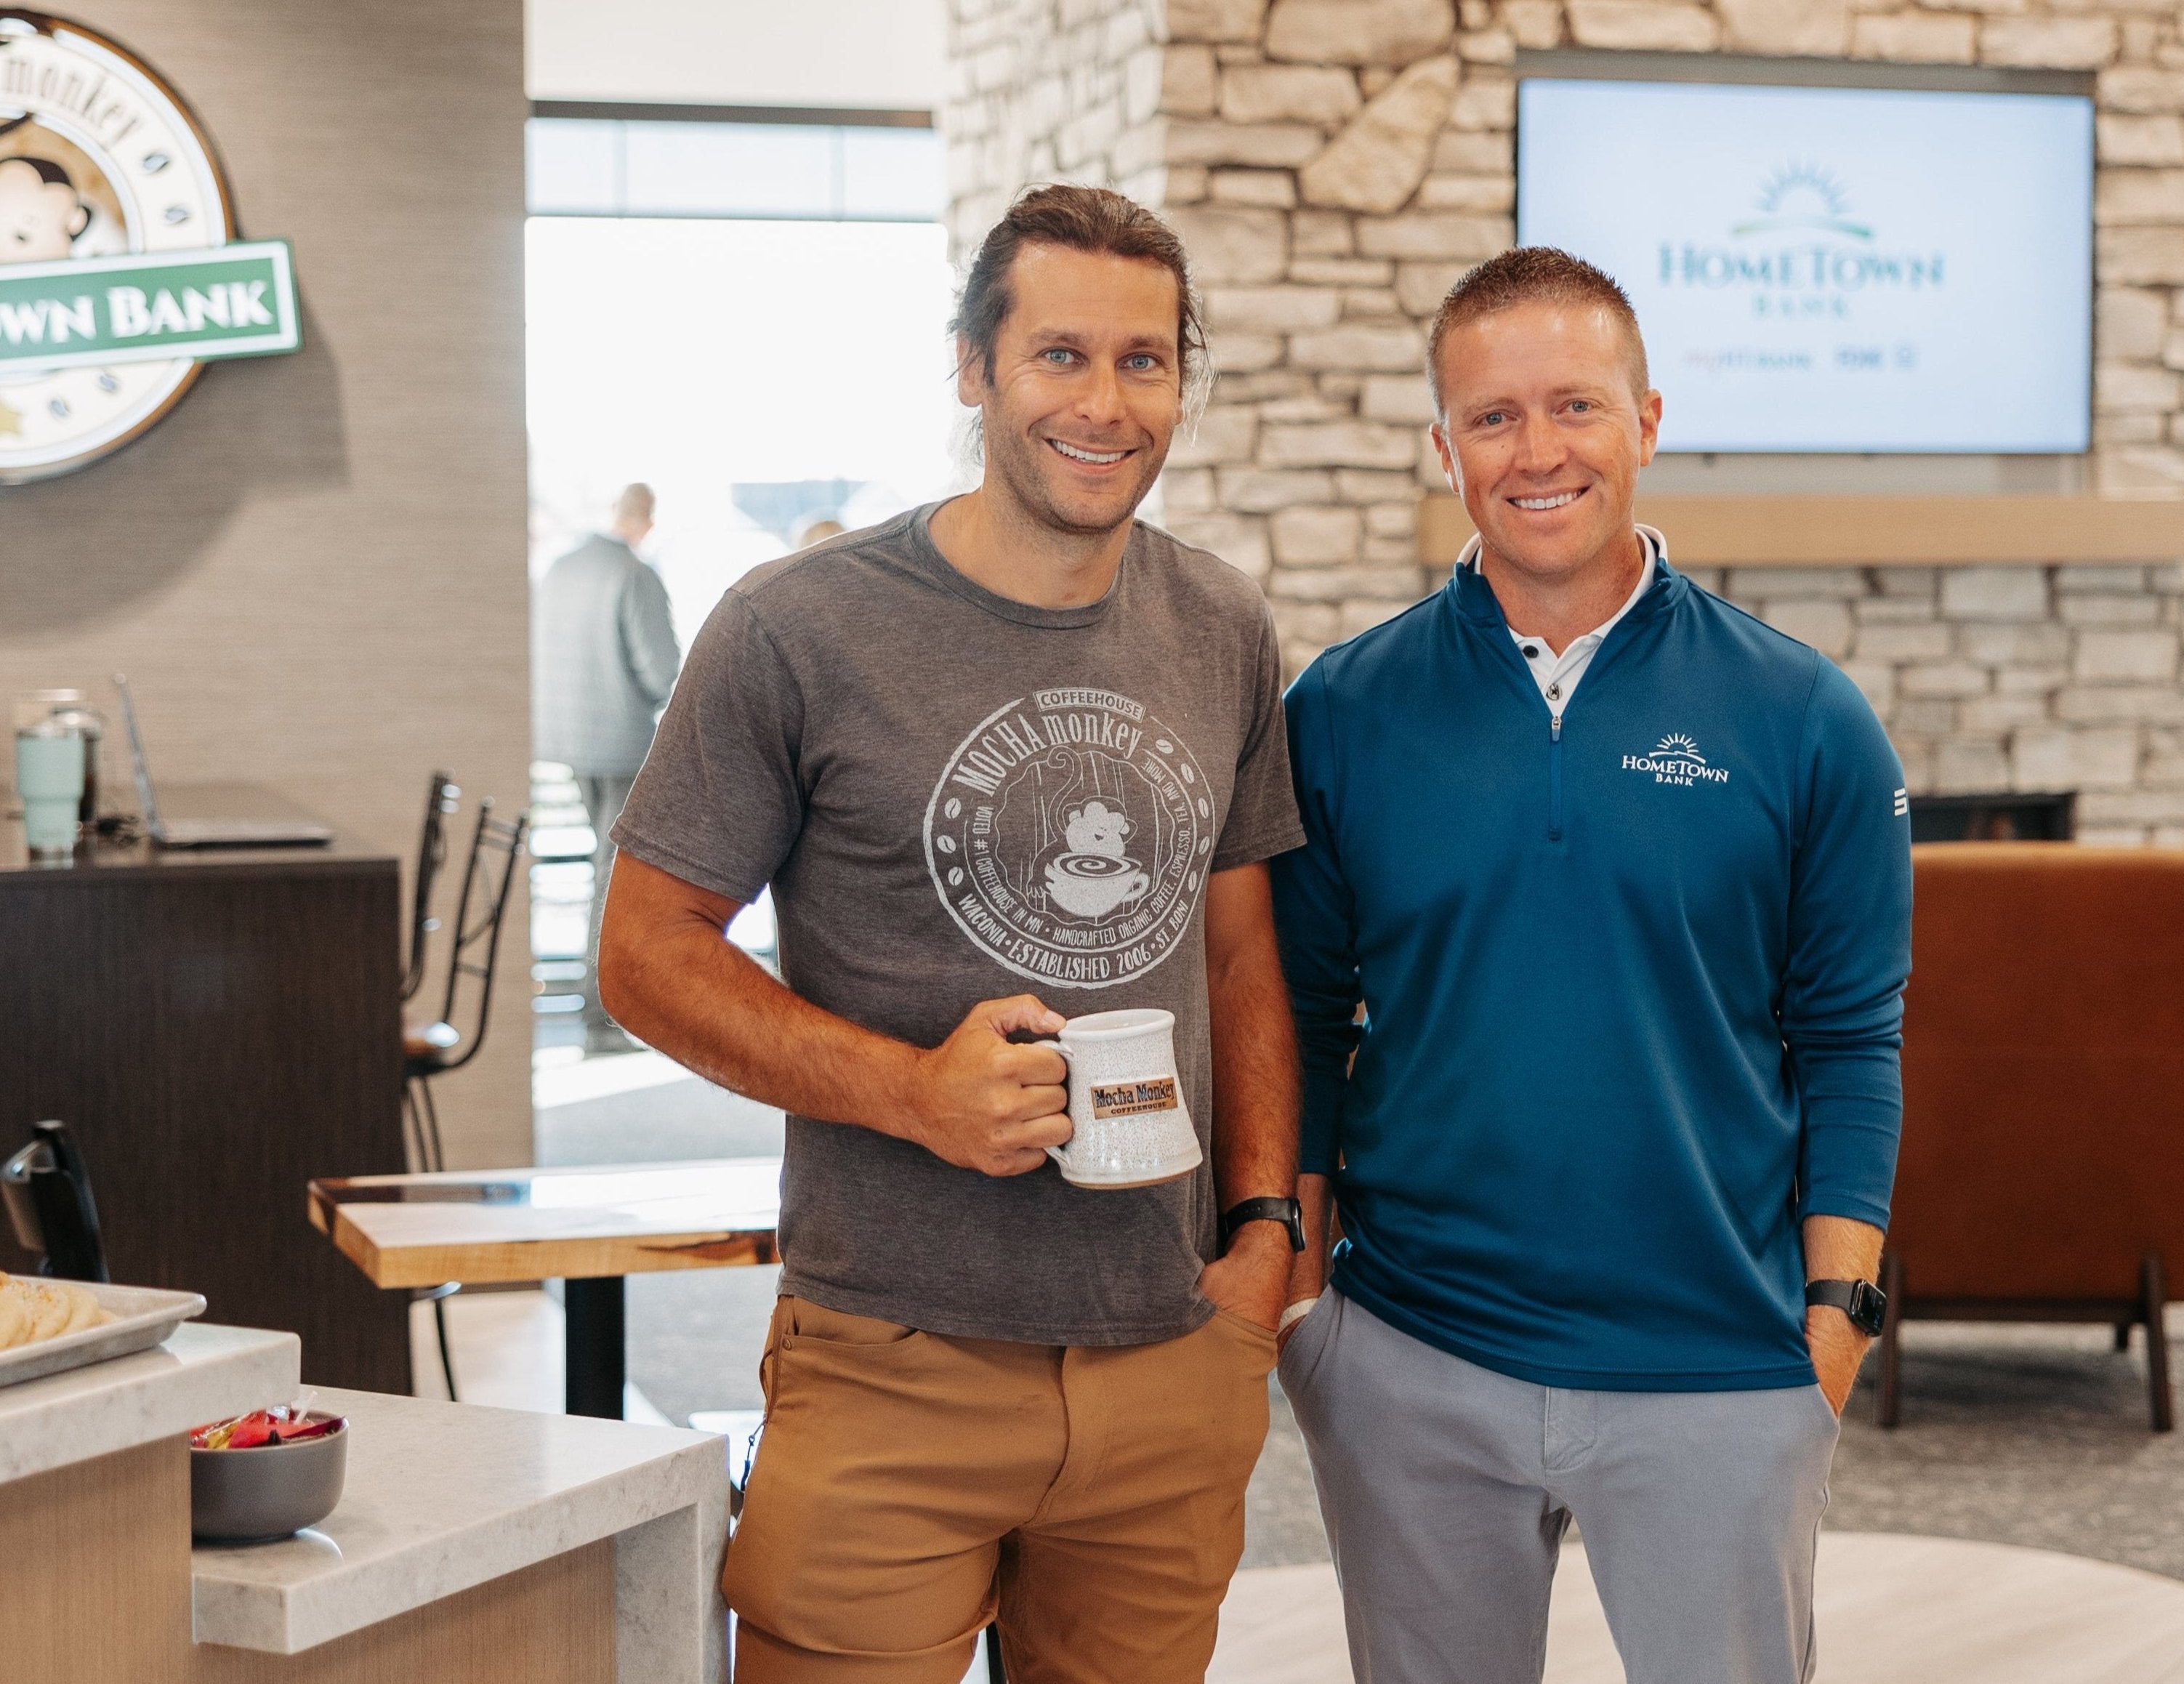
x=1529 y=275
x=1085 y=219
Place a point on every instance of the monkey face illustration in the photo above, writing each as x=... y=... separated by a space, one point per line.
x=1095 y=876
x=1097 y=828
x=41 y=214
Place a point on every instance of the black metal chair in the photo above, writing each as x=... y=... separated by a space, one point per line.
x=443 y=1046
x=441 y=798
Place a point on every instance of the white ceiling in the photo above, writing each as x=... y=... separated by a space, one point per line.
x=885 y=53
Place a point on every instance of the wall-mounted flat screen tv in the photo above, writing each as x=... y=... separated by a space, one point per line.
x=1832 y=269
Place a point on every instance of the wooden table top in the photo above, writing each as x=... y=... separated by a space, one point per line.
x=480 y=1226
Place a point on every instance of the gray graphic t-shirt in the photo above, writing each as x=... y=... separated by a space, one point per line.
x=958 y=797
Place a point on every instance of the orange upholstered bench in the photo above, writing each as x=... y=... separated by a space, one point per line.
x=2042 y=1169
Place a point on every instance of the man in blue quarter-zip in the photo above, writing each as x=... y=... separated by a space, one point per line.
x=1622 y=879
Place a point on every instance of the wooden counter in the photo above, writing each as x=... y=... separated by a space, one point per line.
x=217 y=1026
x=484 y=1545
x=95 y=1502
x=492 y=1546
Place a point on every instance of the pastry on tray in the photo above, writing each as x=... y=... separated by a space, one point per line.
x=33 y=1310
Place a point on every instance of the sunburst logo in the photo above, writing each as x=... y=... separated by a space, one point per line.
x=1676 y=760
x=1803 y=195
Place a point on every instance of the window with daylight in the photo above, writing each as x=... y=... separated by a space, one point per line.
x=751 y=319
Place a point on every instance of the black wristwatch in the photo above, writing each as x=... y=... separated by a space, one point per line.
x=1287 y=1212
x=1865 y=1303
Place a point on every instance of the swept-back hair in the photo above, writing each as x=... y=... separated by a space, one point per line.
x=1085 y=219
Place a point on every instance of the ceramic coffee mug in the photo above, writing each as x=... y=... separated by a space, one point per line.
x=1130 y=1127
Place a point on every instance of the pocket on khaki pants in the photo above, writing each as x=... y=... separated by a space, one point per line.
x=1258 y=1344
x=893 y=1459
x=807 y=1320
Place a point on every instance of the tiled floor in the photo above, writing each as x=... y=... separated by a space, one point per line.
x=508 y=1354
x=1891 y=1609
x=2031 y=1436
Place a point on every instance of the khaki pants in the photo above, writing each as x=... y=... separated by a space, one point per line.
x=909 y=1485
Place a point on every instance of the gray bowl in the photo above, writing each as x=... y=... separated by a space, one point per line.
x=268 y=1492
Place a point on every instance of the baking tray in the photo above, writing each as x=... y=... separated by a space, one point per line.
x=143 y=1316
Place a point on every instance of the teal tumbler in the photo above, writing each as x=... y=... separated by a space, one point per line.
x=49 y=772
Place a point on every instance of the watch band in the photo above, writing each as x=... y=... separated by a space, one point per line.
x=1294 y=1314
x=1865 y=1303
x=1287 y=1212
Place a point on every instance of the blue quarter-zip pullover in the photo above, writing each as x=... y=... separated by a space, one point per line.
x=1632 y=978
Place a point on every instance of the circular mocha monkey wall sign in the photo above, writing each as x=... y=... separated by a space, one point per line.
x=119 y=275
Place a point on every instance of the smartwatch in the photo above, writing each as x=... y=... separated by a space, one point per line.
x=1287 y=1212
x=1865 y=1303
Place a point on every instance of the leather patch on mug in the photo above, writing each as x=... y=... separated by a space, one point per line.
x=1129 y=1099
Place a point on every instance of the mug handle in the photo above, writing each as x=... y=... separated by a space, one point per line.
x=1055 y=1152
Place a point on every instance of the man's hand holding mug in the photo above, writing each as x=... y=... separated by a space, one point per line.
x=983 y=1102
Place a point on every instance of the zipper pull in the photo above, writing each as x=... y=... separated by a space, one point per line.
x=1554 y=777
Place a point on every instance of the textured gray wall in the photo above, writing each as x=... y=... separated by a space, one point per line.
x=312 y=570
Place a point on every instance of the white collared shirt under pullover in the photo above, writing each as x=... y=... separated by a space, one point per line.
x=1557 y=675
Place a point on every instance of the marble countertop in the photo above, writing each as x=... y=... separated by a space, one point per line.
x=441 y=1497
x=201 y=1374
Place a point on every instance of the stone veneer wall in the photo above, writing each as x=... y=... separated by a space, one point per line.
x=1334 y=164
x=1989 y=679
x=1051 y=91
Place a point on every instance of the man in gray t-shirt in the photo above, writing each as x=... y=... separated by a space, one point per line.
x=988 y=1387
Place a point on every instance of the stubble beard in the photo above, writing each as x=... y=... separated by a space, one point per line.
x=1015 y=460
x=1608 y=555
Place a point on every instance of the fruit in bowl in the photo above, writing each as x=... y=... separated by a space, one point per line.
x=283 y=1423
x=267 y=1475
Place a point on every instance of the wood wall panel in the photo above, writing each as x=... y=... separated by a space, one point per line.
x=218 y=1035
x=550 y=1623
x=95 y=1570
x=95 y=1589
x=1875 y=532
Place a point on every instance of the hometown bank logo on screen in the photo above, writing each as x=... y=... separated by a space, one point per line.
x=1802 y=252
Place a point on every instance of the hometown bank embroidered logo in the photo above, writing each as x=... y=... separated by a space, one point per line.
x=1676 y=760
x=1068 y=836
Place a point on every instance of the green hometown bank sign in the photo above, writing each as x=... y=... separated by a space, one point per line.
x=235 y=300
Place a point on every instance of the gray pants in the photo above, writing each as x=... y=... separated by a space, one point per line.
x=1446 y=1489
x=603 y=800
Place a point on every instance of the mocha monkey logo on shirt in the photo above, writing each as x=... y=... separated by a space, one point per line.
x=1068 y=837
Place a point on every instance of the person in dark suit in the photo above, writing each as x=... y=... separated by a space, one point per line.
x=603 y=661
